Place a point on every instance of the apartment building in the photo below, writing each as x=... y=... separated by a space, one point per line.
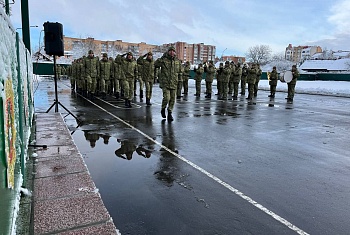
x=301 y=53
x=195 y=53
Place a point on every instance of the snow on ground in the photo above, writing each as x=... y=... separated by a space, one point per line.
x=334 y=88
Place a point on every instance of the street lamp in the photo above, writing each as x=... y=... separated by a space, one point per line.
x=32 y=26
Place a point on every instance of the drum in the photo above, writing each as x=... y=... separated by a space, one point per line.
x=286 y=76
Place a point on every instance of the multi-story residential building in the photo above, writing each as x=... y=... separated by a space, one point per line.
x=301 y=53
x=194 y=53
x=236 y=59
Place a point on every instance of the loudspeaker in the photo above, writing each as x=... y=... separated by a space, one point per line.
x=53 y=38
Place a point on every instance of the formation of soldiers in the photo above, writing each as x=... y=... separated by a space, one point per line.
x=118 y=76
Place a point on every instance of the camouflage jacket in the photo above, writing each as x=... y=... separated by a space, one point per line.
x=91 y=67
x=251 y=78
x=199 y=74
x=105 y=70
x=295 y=76
x=169 y=71
x=210 y=70
x=273 y=78
x=146 y=69
x=237 y=74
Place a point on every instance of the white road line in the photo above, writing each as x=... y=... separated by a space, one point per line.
x=223 y=183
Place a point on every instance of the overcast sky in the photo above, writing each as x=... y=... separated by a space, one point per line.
x=232 y=24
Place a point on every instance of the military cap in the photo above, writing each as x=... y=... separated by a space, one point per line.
x=105 y=55
x=149 y=53
x=211 y=62
x=129 y=53
x=91 y=52
x=171 y=48
x=227 y=62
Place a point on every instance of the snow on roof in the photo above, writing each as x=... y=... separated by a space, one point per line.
x=341 y=54
x=329 y=65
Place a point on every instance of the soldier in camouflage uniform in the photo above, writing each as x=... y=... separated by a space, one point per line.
x=225 y=80
x=147 y=72
x=237 y=74
x=244 y=78
x=273 y=82
x=118 y=90
x=219 y=78
x=291 y=84
x=251 y=81
x=186 y=76
x=257 y=80
x=198 y=77
x=91 y=73
x=180 y=82
x=105 y=75
x=128 y=74
x=210 y=73
x=140 y=79
x=230 y=83
x=112 y=79
x=170 y=69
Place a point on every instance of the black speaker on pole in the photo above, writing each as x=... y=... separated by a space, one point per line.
x=53 y=38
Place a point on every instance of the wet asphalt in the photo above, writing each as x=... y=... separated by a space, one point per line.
x=221 y=167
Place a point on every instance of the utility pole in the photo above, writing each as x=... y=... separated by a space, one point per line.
x=25 y=24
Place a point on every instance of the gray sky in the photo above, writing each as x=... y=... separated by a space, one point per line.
x=232 y=24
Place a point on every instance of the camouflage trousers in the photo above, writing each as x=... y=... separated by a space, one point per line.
x=149 y=87
x=179 y=88
x=91 y=83
x=104 y=85
x=235 y=89
x=208 y=87
x=243 y=84
x=291 y=90
x=128 y=85
x=198 y=87
x=185 y=85
x=169 y=96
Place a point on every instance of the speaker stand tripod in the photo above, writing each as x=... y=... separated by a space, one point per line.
x=56 y=102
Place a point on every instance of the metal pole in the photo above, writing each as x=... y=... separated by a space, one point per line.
x=55 y=78
x=7 y=7
x=25 y=24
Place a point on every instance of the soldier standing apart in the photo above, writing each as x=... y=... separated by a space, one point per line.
x=251 y=81
x=237 y=74
x=180 y=82
x=118 y=90
x=210 y=71
x=147 y=73
x=226 y=73
x=230 y=83
x=291 y=84
x=169 y=72
x=105 y=74
x=198 y=77
x=186 y=76
x=257 y=80
x=112 y=79
x=244 y=78
x=129 y=72
x=140 y=79
x=273 y=82
x=91 y=73
x=219 y=78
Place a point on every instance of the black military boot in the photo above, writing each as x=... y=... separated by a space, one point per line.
x=163 y=113
x=126 y=103
x=148 y=101
x=117 y=95
x=170 y=116
x=141 y=94
x=129 y=104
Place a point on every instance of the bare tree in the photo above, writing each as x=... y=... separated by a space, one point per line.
x=259 y=54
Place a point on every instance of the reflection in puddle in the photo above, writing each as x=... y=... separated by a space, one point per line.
x=127 y=149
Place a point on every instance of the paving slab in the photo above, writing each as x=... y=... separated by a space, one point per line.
x=61 y=214
x=60 y=165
